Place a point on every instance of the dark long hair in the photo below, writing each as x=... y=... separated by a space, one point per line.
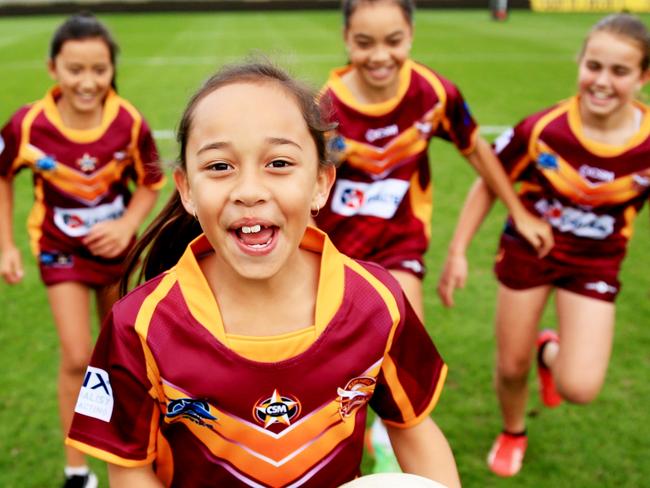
x=166 y=238
x=84 y=26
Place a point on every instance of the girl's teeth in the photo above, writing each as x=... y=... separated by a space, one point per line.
x=253 y=229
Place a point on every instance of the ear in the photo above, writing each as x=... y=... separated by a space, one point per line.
x=51 y=69
x=645 y=77
x=180 y=180
x=326 y=177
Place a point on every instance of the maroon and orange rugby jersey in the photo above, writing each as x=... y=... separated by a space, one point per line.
x=588 y=191
x=165 y=387
x=80 y=176
x=383 y=190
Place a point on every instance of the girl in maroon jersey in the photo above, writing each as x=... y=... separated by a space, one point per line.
x=584 y=167
x=247 y=358
x=388 y=108
x=83 y=143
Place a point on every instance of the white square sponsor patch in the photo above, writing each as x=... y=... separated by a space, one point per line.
x=379 y=199
x=2 y=144
x=96 y=396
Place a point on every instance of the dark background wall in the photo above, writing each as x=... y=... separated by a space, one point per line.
x=25 y=7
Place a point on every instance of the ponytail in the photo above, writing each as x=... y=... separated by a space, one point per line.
x=161 y=245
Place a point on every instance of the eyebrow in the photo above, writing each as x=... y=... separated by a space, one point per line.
x=276 y=141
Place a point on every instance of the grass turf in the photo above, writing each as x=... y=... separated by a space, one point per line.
x=506 y=71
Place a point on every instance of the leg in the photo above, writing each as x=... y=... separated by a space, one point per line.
x=517 y=317
x=579 y=363
x=518 y=313
x=105 y=297
x=70 y=304
x=412 y=286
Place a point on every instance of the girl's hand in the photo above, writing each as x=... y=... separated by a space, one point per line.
x=11 y=265
x=454 y=275
x=110 y=238
x=536 y=231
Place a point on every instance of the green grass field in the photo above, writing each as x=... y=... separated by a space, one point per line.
x=506 y=71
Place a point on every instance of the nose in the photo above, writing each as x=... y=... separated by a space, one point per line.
x=380 y=53
x=603 y=78
x=249 y=188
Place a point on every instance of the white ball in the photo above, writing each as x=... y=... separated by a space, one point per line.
x=392 y=480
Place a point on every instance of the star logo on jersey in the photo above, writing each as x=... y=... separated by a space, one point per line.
x=87 y=163
x=357 y=392
x=277 y=409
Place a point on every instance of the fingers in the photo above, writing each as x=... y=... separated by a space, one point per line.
x=546 y=242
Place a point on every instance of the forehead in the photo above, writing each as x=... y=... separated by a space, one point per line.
x=264 y=109
x=384 y=14
x=91 y=48
x=613 y=48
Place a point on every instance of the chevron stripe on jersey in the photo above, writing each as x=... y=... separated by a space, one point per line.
x=221 y=418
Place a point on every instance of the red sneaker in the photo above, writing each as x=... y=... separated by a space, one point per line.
x=507 y=454
x=550 y=397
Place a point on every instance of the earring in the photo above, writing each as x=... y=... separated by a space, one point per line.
x=314 y=213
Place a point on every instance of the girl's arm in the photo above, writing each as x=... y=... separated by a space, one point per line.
x=535 y=230
x=140 y=477
x=477 y=204
x=11 y=266
x=423 y=450
x=109 y=238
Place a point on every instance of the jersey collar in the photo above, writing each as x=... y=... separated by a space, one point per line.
x=203 y=306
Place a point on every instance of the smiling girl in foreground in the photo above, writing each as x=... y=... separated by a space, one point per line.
x=584 y=166
x=253 y=359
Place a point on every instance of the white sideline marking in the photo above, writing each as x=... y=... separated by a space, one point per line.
x=489 y=130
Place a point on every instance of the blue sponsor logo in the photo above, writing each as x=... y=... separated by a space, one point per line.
x=467 y=115
x=46 y=163
x=198 y=411
x=547 y=161
x=55 y=259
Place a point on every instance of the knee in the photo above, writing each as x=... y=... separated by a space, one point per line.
x=513 y=369
x=579 y=390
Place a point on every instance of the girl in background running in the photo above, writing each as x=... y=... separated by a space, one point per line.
x=388 y=108
x=83 y=144
x=584 y=166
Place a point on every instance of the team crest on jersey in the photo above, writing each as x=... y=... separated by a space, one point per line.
x=198 y=411
x=547 y=161
x=46 y=163
x=87 y=163
x=276 y=409
x=356 y=393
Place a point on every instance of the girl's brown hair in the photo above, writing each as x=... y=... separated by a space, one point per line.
x=624 y=25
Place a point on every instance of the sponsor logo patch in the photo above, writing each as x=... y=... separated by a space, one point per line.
x=96 y=396
x=276 y=409
x=55 y=259
x=2 y=144
x=591 y=173
x=379 y=199
x=356 y=393
x=373 y=134
x=77 y=222
x=575 y=221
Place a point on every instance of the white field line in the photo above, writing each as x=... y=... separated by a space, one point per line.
x=488 y=130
